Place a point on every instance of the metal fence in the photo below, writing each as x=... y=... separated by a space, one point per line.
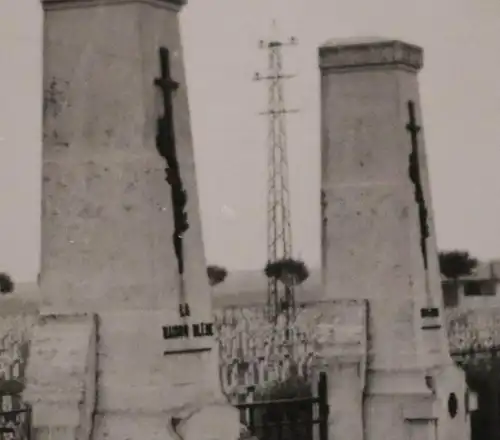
x=15 y=424
x=301 y=418
x=482 y=367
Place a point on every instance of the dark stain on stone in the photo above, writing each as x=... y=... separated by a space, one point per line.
x=54 y=97
x=130 y=186
x=324 y=224
x=410 y=281
x=324 y=206
x=89 y=212
x=175 y=421
x=127 y=208
x=361 y=164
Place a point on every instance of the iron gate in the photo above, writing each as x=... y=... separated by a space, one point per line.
x=304 y=418
x=15 y=424
x=482 y=368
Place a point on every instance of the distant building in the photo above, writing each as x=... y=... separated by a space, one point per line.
x=476 y=291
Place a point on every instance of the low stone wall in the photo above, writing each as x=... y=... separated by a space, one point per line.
x=61 y=375
x=17 y=319
x=15 y=334
x=473 y=329
x=253 y=351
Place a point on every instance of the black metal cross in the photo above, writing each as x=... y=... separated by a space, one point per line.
x=166 y=146
x=412 y=126
x=415 y=177
x=165 y=82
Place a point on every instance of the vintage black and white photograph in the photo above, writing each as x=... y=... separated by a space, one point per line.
x=249 y=220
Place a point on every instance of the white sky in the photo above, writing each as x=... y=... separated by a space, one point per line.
x=460 y=97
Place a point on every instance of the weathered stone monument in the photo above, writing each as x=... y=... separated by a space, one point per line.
x=124 y=344
x=379 y=245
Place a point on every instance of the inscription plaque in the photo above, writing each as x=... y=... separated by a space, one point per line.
x=196 y=330
x=188 y=337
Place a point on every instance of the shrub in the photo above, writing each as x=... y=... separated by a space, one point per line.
x=6 y=283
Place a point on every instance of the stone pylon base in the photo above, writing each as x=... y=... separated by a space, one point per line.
x=451 y=387
x=89 y=378
x=398 y=404
x=416 y=404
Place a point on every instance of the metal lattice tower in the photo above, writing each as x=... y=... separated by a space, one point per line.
x=279 y=229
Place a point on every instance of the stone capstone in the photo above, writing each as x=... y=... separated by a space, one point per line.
x=345 y=54
x=55 y=4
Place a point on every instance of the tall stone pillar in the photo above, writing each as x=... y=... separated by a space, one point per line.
x=379 y=240
x=125 y=343
x=107 y=211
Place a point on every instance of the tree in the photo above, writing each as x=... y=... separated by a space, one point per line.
x=6 y=283
x=216 y=274
x=289 y=271
x=11 y=387
x=456 y=263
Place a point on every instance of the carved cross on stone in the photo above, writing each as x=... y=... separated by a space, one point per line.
x=324 y=205
x=166 y=146
x=415 y=177
x=324 y=224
